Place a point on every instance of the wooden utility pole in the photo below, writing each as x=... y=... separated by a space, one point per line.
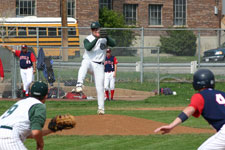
x=64 y=30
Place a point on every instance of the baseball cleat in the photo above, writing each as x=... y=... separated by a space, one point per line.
x=100 y=112
x=78 y=88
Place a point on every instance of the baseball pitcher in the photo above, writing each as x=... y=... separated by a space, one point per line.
x=93 y=60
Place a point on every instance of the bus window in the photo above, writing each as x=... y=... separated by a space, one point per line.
x=42 y=31
x=31 y=30
x=11 y=31
x=71 y=31
x=22 y=31
x=59 y=31
x=3 y=31
x=51 y=31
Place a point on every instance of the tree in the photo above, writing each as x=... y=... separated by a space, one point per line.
x=112 y=19
x=3 y=18
x=179 y=43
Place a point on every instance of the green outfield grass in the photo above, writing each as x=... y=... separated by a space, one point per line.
x=154 y=142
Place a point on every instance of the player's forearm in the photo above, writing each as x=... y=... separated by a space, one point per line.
x=37 y=135
x=34 y=65
x=115 y=68
x=188 y=111
x=46 y=132
x=175 y=123
x=9 y=48
x=111 y=42
x=89 y=45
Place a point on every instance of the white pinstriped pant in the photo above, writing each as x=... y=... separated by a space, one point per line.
x=9 y=140
x=27 y=78
x=109 y=81
x=215 y=142
x=98 y=71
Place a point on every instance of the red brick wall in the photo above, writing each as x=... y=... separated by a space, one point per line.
x=87 y=11
x=7 y=8
x=200 y=13
x=202 y=16
x=48 y=8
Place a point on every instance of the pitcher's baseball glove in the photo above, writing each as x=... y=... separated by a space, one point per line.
x=103 y=33
x=61 y=122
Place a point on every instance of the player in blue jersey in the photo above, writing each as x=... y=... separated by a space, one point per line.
x=110 y=74
x=209 y=103
x=27 y=66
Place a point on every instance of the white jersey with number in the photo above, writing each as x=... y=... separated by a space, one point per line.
x=17 y=117
x=98 y=52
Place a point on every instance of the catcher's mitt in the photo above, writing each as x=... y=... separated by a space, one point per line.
x=103 y=33
x=61 y=122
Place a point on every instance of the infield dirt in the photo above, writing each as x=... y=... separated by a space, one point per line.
x=120 y=125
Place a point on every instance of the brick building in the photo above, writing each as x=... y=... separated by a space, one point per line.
x=142 y=13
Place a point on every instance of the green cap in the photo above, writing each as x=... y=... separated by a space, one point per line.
x=39 y=89
x=95 y=25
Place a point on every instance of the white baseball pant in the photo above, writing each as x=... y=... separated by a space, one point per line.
x=9 y=140
x=27 y=78
x=98 y=71
x=109 y=81
x=215 y=142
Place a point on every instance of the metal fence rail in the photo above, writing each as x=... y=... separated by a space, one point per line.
x=142 y=56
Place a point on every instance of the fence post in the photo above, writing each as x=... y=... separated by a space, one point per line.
x=158 y=74
x=37 y=31
x=141 y=55
x=14 y=75
x=199 y=49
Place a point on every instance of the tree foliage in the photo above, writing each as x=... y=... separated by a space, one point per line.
x=179 y=43
x=112 y=19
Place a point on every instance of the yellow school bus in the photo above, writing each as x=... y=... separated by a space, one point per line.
x=39 y=32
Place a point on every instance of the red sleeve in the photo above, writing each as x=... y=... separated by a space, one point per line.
x=1 y=69
x=32 y=57
x=115 y=60
x=197 y=101
x=17 y=53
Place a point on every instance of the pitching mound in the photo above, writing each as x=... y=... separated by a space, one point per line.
x=120 y=125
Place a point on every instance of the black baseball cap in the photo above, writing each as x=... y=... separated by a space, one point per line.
x=39 y=89
x=95 y=25
x=108 y=50
x=24 y=46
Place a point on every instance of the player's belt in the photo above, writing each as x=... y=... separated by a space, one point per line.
x=100 y=63
x=26 y=68
x=6 y=127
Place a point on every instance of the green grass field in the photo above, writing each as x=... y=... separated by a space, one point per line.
x=154 y=142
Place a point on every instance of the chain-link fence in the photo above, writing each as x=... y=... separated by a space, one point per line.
x=144 y=54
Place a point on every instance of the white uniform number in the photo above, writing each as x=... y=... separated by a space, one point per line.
x=10 y=111
x=220 y=99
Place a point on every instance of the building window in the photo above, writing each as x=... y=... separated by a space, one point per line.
x=130 y=13
x=25 y=7
x=155 y=14
x=70 y=8
x=106 y=4
x=180 y=12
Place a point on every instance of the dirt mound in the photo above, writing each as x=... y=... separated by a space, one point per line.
x=120 y=125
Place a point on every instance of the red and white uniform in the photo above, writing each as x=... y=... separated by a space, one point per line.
x=210 y=104
x=26 y=68
x=109 y=83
